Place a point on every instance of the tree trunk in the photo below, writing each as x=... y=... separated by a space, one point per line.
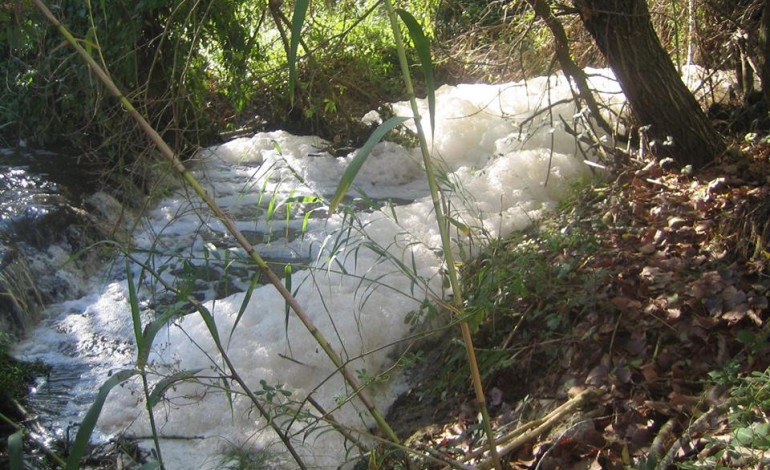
x=658 y=98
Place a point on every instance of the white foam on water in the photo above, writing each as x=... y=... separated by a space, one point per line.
x=497 y=148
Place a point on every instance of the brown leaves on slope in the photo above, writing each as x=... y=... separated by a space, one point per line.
x=683 y=264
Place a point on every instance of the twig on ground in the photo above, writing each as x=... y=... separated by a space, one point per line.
x=658 y=446
x=531 y=430
x=700 y=425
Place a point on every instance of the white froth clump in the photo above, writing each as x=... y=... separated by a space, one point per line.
x=504 y=173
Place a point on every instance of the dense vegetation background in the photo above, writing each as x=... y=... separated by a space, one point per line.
x=202 y=70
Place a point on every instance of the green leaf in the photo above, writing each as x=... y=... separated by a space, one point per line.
x=89 y=422
x=271 y=208
x=211 y=325
x=229 y=395
x=89 y=40
x=744 y=436
x=15 y=451
x=297 y=20
x=358 y=161
x=287 y=269
x=745 y=337
x=150 y=331
x=161 y=387
x=142 y=349
x=305 y=222
x=422 y=46
x=461 y=227
x=246 y=298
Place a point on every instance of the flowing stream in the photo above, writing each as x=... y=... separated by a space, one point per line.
x=361 y=274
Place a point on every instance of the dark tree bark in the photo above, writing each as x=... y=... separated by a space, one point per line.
x=658 y=98
x=568 y=66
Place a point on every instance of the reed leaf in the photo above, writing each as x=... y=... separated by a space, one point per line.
x=297 y=20
x=229 y=395
x=246 y=298
x=287 y=281
x=16 y=450
x=211 y=325
x=161 y=387
x=142 y=348
x=422 y=47
x=436 y=196
x=150 y=331
x=358 y=161
x=83 y=436
x=461 y=227
x=144 y=339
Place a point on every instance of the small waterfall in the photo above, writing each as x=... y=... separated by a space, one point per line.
x=44 y=231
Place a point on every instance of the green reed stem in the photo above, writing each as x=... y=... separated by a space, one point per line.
x=142 y=348
x=443 y=226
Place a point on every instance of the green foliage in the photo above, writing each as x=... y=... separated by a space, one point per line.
x=15 y=451
x=16 y=376
x=525 y=267
x=78 y=449
x=747 y=415
x=194 y=69
x=521 y=291
x=152 y=49
x=480 y=38
x=298 y=19
x=455 y=17
x=240 y=459
x=271 y=392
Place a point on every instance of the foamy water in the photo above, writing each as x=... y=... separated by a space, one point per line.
x=346 y=270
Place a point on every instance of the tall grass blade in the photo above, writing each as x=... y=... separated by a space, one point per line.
x=246 y=298
x=287 y=281
x=228 y=395
x=358 y=161
x=16 y=450
x=461 y=227
x=89 y=422
x=289 y=202
x=211 y=325
x=271 y=206
x=143 y=345
x=297 y=20
x=151 y=330
x=422 y=47
x=160 y=388
x=136 y=318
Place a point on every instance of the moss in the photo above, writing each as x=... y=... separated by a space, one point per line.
x=16 y=376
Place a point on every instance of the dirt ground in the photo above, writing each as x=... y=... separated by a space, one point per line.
x=662 y=354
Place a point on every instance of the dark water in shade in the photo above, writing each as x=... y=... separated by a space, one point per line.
x=41 y=196
x=32 y=183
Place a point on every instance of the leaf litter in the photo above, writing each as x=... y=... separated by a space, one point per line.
x=674 y=288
